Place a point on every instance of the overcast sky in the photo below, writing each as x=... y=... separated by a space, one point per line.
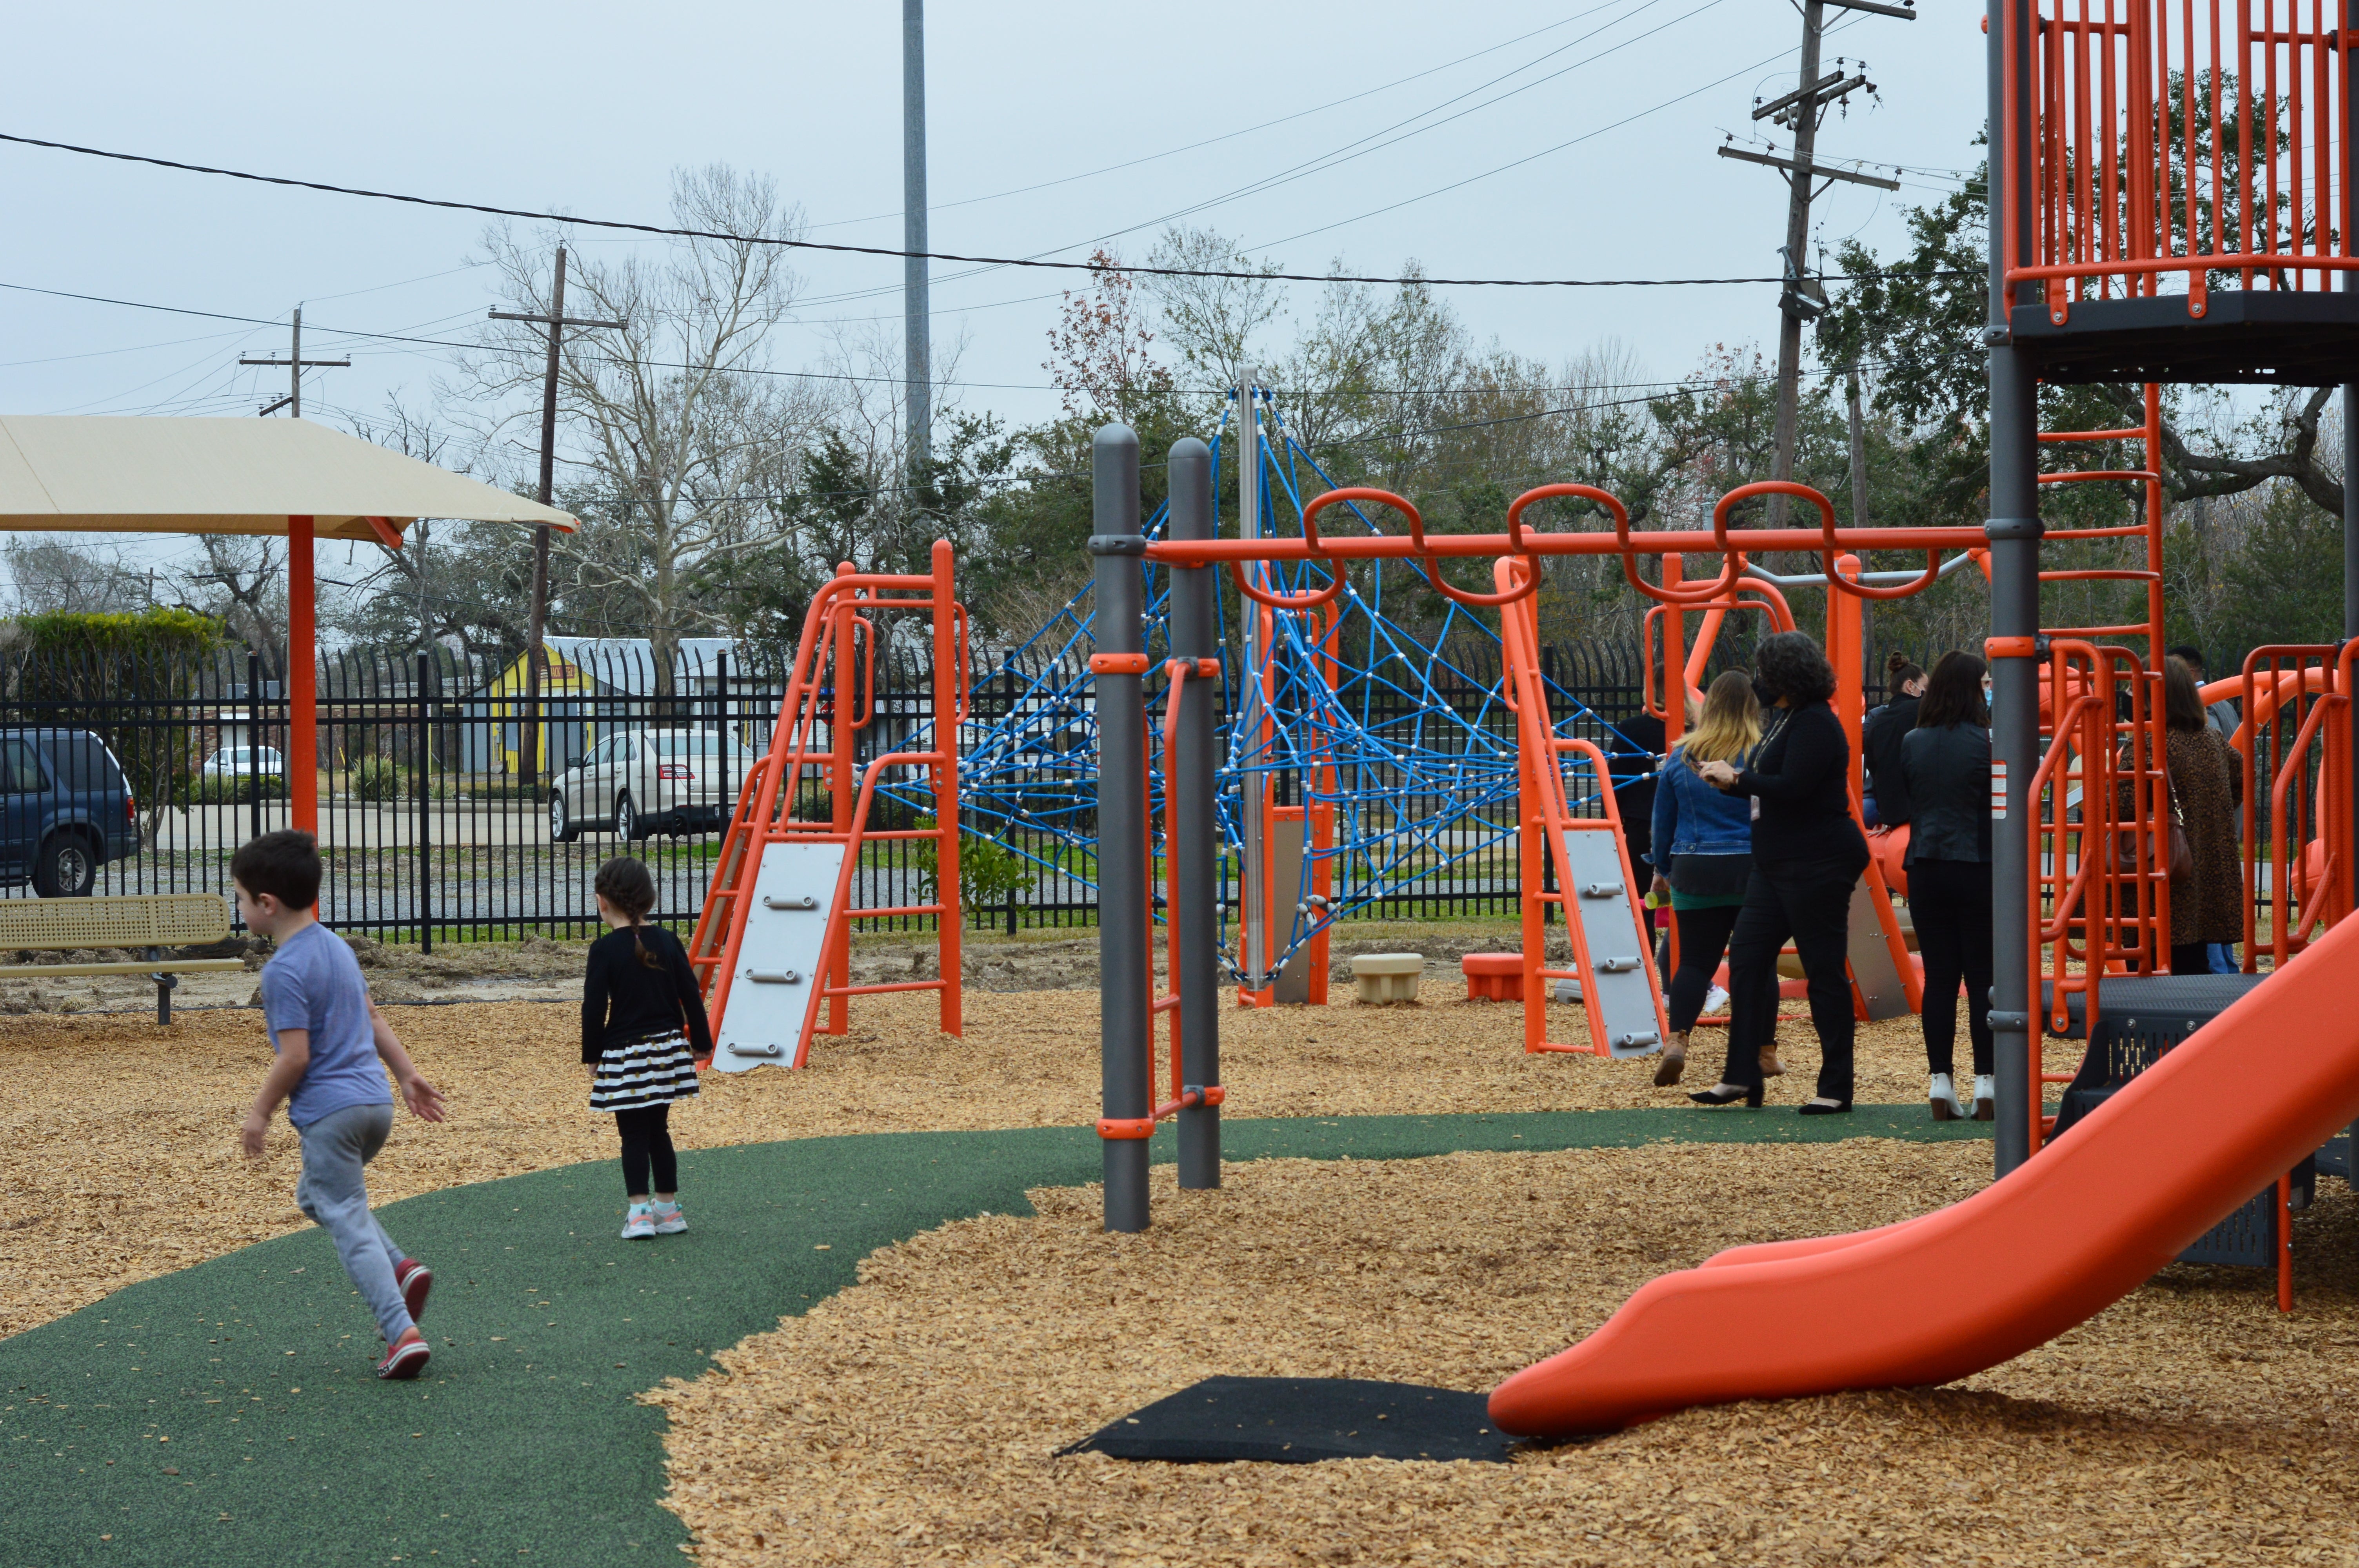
x=1614 y=110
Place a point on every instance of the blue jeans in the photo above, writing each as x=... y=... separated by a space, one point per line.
x=2223 y=958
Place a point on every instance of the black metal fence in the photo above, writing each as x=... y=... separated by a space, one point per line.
x=436 y=789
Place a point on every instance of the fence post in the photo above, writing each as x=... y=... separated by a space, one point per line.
x=254 y=736
x=425 y=773
x=1125 y=981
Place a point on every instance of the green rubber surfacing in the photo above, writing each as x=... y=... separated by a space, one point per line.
x=249 y=1375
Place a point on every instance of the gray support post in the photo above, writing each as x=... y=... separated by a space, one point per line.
x=1193 y=843
x=2015 y=530
x=1125 y=1002
x=2350 y=496
x=917 y=308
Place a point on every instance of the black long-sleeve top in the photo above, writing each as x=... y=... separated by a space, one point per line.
x=622 y=1000
x=1887 y=776
x=1801 y=775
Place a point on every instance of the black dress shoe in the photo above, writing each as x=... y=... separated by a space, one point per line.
x=1728 y=1094
x=1812 y=1108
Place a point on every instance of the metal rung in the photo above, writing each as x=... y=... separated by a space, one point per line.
x=774 y=977
x=758 y=1050
x=1617 y=966
x=806 y=902
x=1648 y=1038
x=1602 y=890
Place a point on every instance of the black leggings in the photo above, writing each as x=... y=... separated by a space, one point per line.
x=1950 y=902
x=1811 y=901
x=647 y=1141
x=1703 y=942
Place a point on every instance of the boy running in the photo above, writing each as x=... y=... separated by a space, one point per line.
x=329 y=1038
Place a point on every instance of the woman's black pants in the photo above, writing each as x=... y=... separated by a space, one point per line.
x=1809 y=901
x=1703 y=942
x=1950 y=901
x=647 y=1149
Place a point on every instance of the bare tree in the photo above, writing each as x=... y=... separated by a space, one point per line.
x=52 y=576
x=1211 y=322
x=680 y=424
x=244 y=581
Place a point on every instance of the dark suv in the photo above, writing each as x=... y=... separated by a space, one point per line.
x=65 y=810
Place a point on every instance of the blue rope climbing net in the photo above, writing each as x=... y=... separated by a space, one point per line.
x=1402 y=735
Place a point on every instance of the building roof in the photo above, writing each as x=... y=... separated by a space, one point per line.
x=74 y=473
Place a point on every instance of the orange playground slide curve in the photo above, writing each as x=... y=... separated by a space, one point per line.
x=2080 y=1225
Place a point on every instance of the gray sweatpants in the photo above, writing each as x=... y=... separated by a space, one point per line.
x=333 y=1193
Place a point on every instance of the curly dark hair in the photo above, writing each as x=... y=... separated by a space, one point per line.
x=1791 y=666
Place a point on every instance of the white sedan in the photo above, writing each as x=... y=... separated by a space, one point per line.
x=240 y=762
x=650 y=780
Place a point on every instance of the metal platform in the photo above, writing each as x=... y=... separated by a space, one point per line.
x=2254 y=336
x=2171 y=1005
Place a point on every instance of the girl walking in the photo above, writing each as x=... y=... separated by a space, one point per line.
x=643 y=1034
x=1703 y=851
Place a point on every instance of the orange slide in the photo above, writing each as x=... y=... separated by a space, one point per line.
x=2072 y=1231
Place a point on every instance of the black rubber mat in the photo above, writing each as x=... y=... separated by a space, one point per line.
x=1301 y=1421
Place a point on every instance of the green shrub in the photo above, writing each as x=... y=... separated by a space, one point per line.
x=990 y=873
x=217 y=789
x=376 y=778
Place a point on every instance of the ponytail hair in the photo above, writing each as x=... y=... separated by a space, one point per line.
x=1899 y=670
x=624 y=883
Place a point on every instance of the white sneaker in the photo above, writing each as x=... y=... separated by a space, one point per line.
x=1985 y=1097
x=1943 y=1097
x=641 y=1223
x=669 y=1220
x=1715 y=998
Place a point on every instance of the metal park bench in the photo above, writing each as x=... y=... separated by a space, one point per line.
x=152 y=922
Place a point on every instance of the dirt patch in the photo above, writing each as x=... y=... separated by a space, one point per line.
x=117 y=1137
x=914 y=1418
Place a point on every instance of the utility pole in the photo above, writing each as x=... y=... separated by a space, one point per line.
x=1803 y=296
x=916 y=314
x=296 y=365
x=536 y=657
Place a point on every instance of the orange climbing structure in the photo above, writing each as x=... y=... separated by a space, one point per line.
x=772 y=948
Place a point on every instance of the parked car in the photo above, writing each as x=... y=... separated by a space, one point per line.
x=650 y=780
x=240 y=761
x=65 y=810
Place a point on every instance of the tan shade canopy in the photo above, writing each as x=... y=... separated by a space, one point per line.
x=72 y=473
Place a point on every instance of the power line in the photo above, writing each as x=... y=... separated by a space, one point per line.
x=661 y=231
x=1247 y=131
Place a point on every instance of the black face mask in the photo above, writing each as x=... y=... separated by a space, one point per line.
x=1761 y=692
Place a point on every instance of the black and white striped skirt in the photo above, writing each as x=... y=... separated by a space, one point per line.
x=655 y=1069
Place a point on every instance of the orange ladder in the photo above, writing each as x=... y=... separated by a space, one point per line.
x=773 y=939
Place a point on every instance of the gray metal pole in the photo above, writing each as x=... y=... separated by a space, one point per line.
x=1253 y=834
x=916 y=314
x=2015 y=530
x=1193 y=843
x=1125 y=999
x=2350 y=498
x=295 y=369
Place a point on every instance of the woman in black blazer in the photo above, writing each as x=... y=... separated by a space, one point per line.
x=1808 y=854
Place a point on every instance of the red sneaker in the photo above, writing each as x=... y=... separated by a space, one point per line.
x=415 y=1280
x=406 y=1358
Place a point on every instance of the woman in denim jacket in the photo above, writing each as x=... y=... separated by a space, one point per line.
x=1704 y=853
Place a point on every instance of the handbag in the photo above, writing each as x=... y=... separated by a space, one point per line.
x=2182 y=854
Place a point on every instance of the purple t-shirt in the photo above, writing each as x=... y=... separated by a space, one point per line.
x=313 y=983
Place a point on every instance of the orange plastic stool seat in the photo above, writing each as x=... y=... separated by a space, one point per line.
x=1494 y=976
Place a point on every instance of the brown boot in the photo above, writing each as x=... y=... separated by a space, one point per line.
x=1770 y=1066
x=1674 y=1062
